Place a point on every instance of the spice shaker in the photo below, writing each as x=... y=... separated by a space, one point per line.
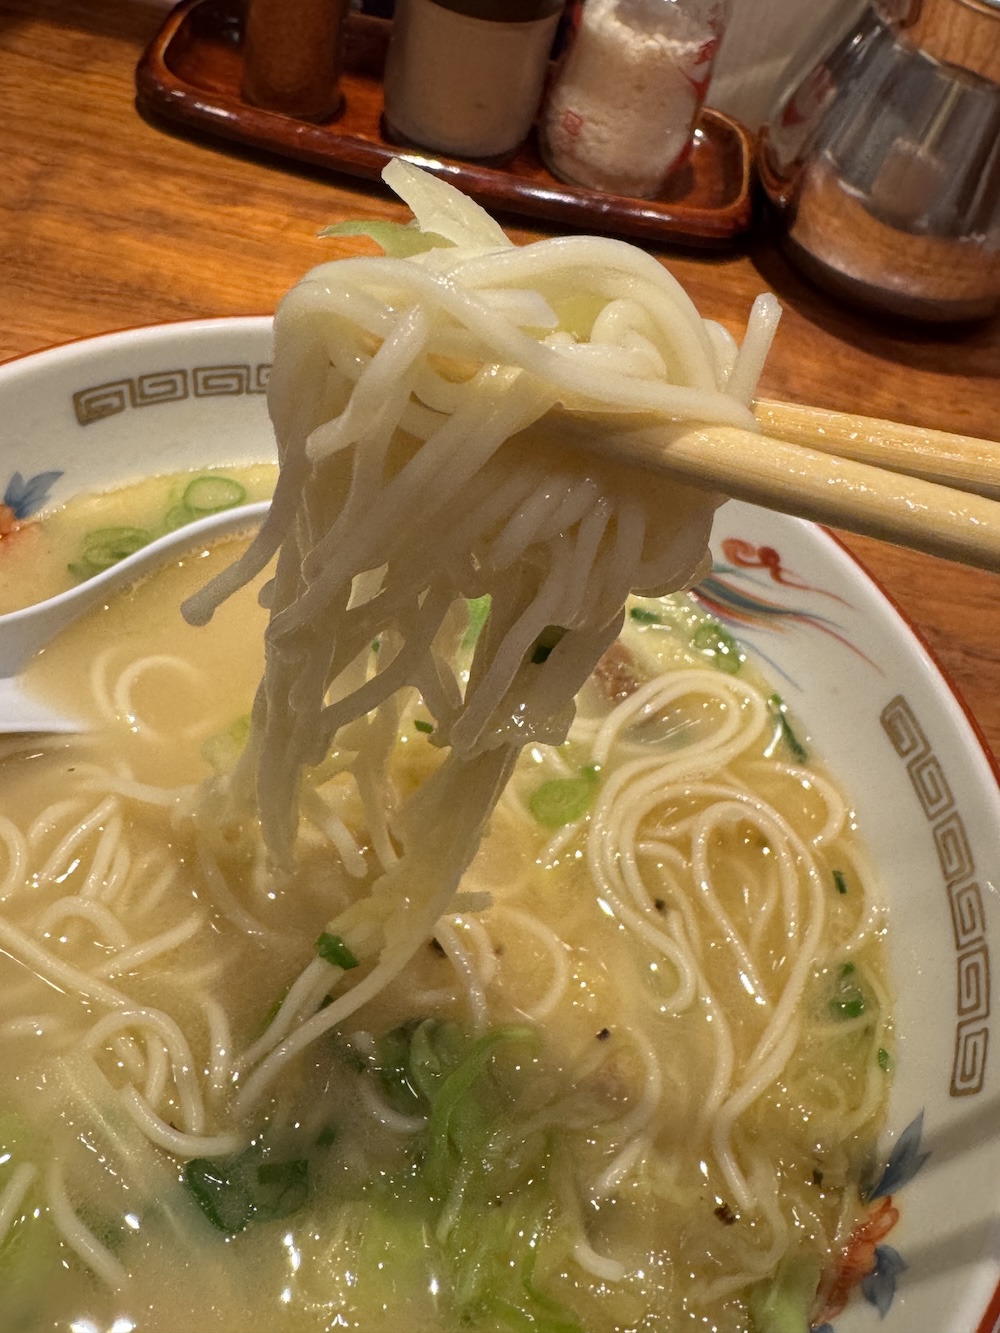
x=622 y=112
x=291 y=58
x=466 y=76
x=882 y=165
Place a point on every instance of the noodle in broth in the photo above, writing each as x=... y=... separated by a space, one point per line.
x=622 y=1071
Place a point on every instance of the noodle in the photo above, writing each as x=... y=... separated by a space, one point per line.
x=380 y=534
x=479 y=988
x=394 y=504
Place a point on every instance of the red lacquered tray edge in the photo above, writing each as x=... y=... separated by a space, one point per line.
x=353 y=142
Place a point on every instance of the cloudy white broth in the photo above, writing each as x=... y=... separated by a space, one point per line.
x=631 y=1082
x=355 y=976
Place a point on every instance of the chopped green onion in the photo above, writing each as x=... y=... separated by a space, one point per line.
x=393 y=1069
x=784 y=732
x=177 y=517
x=333 y=949
x=104 y=547
x=883 y=1059
x=232 y=1191
x=457 y=1126
x=204 y=495
x=421 y=725
x=490 y=1200
x=221 y=1192
x=848 y=1000
x=645 y=617
x=210 y=495
x=284 y=1188
x=718 y=644
x=781 y=1303
x=564 y=800
x=840 y=880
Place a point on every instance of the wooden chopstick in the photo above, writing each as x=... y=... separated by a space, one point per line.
x=961 y=461
x=858 y=497
x=794 y=479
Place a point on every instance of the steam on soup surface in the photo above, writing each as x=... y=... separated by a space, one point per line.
x=631 y=1083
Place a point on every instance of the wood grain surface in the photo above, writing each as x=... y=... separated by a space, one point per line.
x=107 y=221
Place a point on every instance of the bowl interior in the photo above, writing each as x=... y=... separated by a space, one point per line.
x=105 y=411
x=109 y=410
x=925 y=794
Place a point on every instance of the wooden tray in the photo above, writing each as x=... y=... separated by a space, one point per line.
x=191 y=74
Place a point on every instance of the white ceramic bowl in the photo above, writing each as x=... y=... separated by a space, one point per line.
x=111 y=409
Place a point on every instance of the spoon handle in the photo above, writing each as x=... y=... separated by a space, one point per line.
x=19 y=712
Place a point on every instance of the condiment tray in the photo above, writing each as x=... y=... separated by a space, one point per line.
x=191 y=74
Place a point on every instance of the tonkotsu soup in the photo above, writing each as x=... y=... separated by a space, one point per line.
x=407 y=991
x=633 y=1081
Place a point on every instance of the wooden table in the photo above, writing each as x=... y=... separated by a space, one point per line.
x=107 y=222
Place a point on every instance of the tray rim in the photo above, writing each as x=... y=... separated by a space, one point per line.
x=161 y=92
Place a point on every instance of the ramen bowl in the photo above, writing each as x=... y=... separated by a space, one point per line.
x=110 y=410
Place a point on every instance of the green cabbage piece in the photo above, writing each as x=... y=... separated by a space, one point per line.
x=398 y=240
x=440 y=208
x=782 y=1303
x=223 y=749
x=484 y=1192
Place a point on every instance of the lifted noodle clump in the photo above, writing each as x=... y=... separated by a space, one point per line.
x=440 y=414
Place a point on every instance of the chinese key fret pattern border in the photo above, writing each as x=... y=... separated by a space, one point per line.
x=100 y=401
x=965 y=897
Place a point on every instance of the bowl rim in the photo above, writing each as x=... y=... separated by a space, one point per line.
x=64 y=352
x=64 y=348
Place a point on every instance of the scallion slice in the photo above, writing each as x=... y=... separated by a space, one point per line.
x=333 y=949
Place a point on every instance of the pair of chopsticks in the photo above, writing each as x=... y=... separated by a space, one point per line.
x=925 y=489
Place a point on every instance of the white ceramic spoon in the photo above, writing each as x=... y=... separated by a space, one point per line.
x=22 y=633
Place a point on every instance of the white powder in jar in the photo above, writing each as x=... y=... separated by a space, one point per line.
x=622 y=112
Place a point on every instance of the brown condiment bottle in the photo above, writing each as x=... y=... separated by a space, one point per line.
x=292 y=57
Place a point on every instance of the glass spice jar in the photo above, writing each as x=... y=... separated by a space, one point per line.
x=466 y=76
x=622 y=112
